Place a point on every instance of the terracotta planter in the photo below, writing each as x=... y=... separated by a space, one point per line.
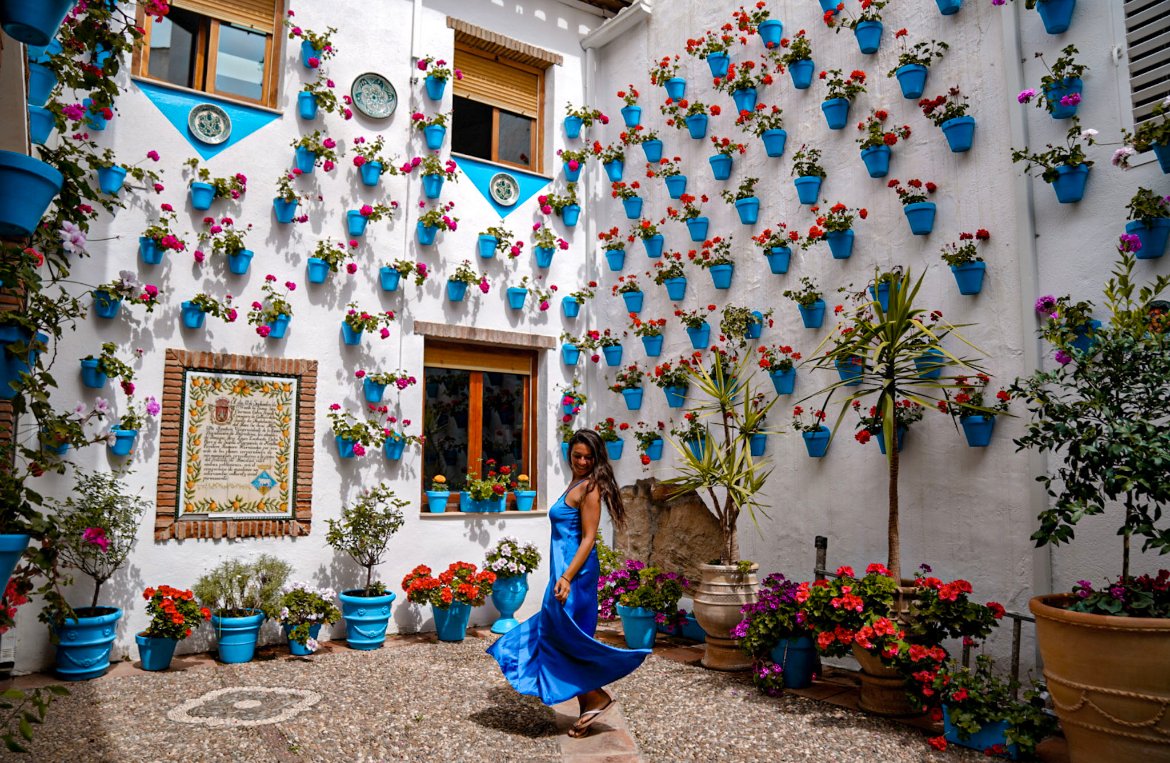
x=1110 y=681
x=883 y=689
x=721 y=592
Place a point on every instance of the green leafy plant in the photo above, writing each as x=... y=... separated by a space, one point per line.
x=230 y=187
x=302 y=606
x=658 y=591
x=1072 y=153
x=874 y=133
x=965 y=252
x=841 y=86
x=323 y=148
x=943 y=108
x=510 y=557
x=808 y=293
x=235 y=588
x=173 y=613
x=806 y=162
x=1148 y=206
x=920 y=53
x=360 y=320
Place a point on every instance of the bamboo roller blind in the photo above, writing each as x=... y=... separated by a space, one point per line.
x=257 y=14
x=496 y=84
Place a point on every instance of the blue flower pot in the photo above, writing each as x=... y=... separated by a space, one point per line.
x=278 y=327
x=676 y=288
x=613 y=355
x=565 y=451
x=840 y=243
x=1153 y=237
x=633 y=398
x=1085 y=339
x=1054 y=93
x=877 y=160
x=508 y=594
x=393 y=447
x=307 y=52
x=93 y=119
x=717 y=63
x=676 y=88
x=435 y=87
x=700 y=337
x=1163 y=155
x=756 y=327
x=304 y=160
x=40 y=125
x=632 y=115
x=990 y=735
x=573 y=127
x=524 y=500
x=110 y=179
x=238 y=262
x=105 y=305
x=816 y=443
x=306 y=105
x=920 y=215
x=372 y=390
x=849 y=371
x=355 y=223
x=570 y=307
x=124 y=440
x=456 y=291
x=41 y=54
x=613 y=170
x=451 y=623
x=720 y=166
x=639 y=626
x=570 y=214
x=632 y=207
x=969 y=277
x=34 y=23
x=770 y=30
x=869 y=36
x=1070 y=184
x=912 y=80
x=432 y=186
x=83 y=649
x=366 y=618
x=778 y=258
x=202 y=194
x=813 y=316
x=437 y=501
x=155 y=653
x=572 y=175
x=316 y=270
x=675 y=396
x=721 y=275
x=434 y=135
x=676 y=185
x=191 y=315
x=351 y=336
x=745 y=99
x=900 y=436
x=149 y=251
x=784 y=382
x=389 y=278
x=633 y=300
x=697 y=227
x=960 y=133
x=371 y=173
x=977 y=430
x=236 y=636
x=774 y=141
x=543 y=255
x=12 y=546
x=836 y=111
x=91 y=374
x=13 y=365
x=930 y=364
x=1056 y=14
x=652 y=345
x=615 y=259
x=697 y=447
x=613 y=450
x=654 y=449
x=748 y=209
x=653 y=245
x=344 y=446
x=697 y=126
x=949 y=7
x=757 y=444
x=297 y=649
x=882 y=294
x=425 y=233
x=802 y=73
x=58 y=449
x=284 y=211
x=797 y=656
x=516 y=296
x=808 y=188
x=653 y=150
x=570 y=354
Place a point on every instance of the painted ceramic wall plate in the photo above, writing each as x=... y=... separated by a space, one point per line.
x=504 y=189
x=373 y=95
x=209 y=123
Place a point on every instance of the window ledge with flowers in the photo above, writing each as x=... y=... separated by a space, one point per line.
x=201 y=97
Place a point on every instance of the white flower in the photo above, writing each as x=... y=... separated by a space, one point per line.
x=1088 y=133
x=1121 y=156
x=101 y=405
x=72 y=237
x=79 y=409
x=311 y=644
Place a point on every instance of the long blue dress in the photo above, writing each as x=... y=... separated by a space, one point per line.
x=553 y=655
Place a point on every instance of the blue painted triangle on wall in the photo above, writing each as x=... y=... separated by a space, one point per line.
x=481 y=173
x=176 y=105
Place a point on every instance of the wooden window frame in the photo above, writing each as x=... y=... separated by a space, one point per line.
x=207 y=53
x=455 y=356
x=536 y=145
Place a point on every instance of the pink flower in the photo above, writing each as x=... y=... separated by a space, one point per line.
x=351 y=268
x=329 y=143
x=359 y=160
x=483 y=286
x=366 y=210
x=359 y=373
x=158 y=188
x=359 y=449
x=152 y=155
x=328 y=166
x=290 y=286
x=97 y=537
x=199 y=256
x=263 y=330
x=348 y=113
x=422 y=65
x=546 y=209
x=314 y=62
x=459 y=74
x=385 y=332
x=257 y=306
x=231 y=315
x=166 y=207
x=543 y=305
x=574 y=165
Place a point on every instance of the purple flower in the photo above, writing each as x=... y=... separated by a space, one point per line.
x=1062 y=357
x=1130 y=242
x=1046 y=305
x=1026 y=96
x=1072 y=99
x=96 y=536
x=1117 y=591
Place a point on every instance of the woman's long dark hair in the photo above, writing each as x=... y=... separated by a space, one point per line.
x=601 y=477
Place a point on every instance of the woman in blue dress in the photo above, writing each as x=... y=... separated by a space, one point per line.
x=553 y=655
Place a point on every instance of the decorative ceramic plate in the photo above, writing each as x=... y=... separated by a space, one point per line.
x=504 y=189
x=209 y=123
x=373 y=95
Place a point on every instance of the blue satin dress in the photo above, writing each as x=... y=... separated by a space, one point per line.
x=553 y=655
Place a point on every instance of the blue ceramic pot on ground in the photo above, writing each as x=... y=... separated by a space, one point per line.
x=613 y=355
x=748 y=209
x=700 y=337
x=920 y=215
x=1056 y=14
x=840 y=243
x=238 y=262
x=570 y=307
x=516 y=296
x=697 y=126
x=236 y=636
x=633 y=300
x=977 y=430
x=652 y=345
x=573 y=127
x=27 y=187
x=676 y=288
x=745 y=99
x=676 y=88
x=802 y=73
x=304 y=160
x=638 y=626
x=633 y=398
x=456 y=291
x=570 y=214
x=778 y=258
x=371 y=173
x=451 y=623
x=316 y=270
x=808 y=188
x=718 y=63
x=613 y=449
x=1070 y=183
x=784 y=382
x=632 y=207
x=508 y=594
x=1058 y=91
x=816 y=443
x=285 y=211
x=675 y=396
x=83 y=648
x=437 y=501
x=836 y=111
x=797 y=656
x=877 y=160
x=192 y=315
x=697 y=228
x=912 y=80
x=202 y=194
x=632 y=115
x=1153 y=236
x=960 y=133
x=434 y=135
x=435 y=87
x=155 y=653
x=110 y=179
x=543 y=255
x=365 y=618
x=869 y=36
x=720 y=166
x=676 y=185
x=653 y=150
x=615 y=259
x=969 y=277
x=653 y=245
x=774 y=141
x=721 y=275
x=389 y=278
x=812 y=316
x=297 y=649
x=124 y=440
x=306 y=105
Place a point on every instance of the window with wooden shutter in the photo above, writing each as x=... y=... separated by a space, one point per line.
x=1147 y=35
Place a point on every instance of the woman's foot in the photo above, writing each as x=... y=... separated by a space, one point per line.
x=590 y=716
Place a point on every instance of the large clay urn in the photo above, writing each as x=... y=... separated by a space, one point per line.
x=722 y=590
x=884 y=689
x=1110 y=681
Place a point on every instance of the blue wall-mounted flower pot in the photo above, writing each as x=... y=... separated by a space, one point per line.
x=969 y=277
x=285 y=211
x=371 y=173
x=840 y=243
x=676 y=88
x=959 y=132
x=808 y=188
x=802 y=73
x=774 y=141
x=912 y=80
x=676 y=185
x=836 y=111
x=779 y=258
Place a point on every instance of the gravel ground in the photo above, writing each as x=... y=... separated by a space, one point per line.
x=438 y=702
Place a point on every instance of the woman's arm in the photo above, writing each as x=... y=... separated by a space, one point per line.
x=590 y=512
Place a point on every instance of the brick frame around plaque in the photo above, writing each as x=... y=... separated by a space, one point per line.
x=167 y=525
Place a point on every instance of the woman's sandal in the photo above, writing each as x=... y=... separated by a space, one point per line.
x=588 y=718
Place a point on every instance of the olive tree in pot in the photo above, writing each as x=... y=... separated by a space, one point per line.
x=363 y=532
x=241 y=595
x=1101 y=415
x=716 y=459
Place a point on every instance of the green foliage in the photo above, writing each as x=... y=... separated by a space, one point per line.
x=234 y=588
x=302 y=607
x=975 y=698
x=657 y=590
x=607 y=557
x=18 y=721
x=365 y=528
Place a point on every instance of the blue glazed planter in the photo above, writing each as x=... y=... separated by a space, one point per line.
x=912 y=80
x=236 y=636
x=435 y=87
x=284 y=211
x=720 y=166
x=40 y=125
x=1070 y=183
x=850 y=371
x=155 y=653
x=202 y=194
x=59 y=449
x=524 y=499
x=105 y=305
x=869 y=36
x=508 y=594
x=949 y=7
x=676 y=88
x=91 y=374
x=697 y=447
x=570 y=214
x=653 y=150
x=654 y=449
x=638 y=626
x=877 y=160
x=93 y=119
x=389 y=278
x=652 y=345
x=191 y=315
x=570 y=307
x=771 y=30
x=110 y=179
x=365 y=617
x=697 y=227
x=565 y=451
x=784 y=382
x=304 y=160
x=977 y=430
x=1054 y=93
x=149 y=251
x=633 y=300
x=297 y=649
x=1085 y=339
x=721 y=275
x=748 y=209
x=920 y=215
x=573 y=127
x=778 y=259
x=425 y=233
x=41 y=54
x=774 y=142
x=676 y=288
x=814 y=316
x=930 y=364
x=745 y=99
x=633 y=398
x=344 y=446
x=13 y=365
x=613 y=449
x=306 y=105
x=316 y=270
x=570 y=354
x=802 y=73
x=27 y=187
x=816 y=443
x=613 y=355
x=371 y=173
x=836 y=111
x=840 y=243
x=632 y=115
x=798 y=657
x=613 y=170
x=900 y=436
x=990 y=735
x=960 y=133
x=516 y=296
x=615 y=259
x=35 y=23
x=451 y=623
x=700 y=337
x=434 y=135
x=882 y=294
x=676 y=185
x=757 y=444
x=12 y=546
x=307 y=52
x=1056 y=14
x=124 y=440
x=372 y=390
x=456 y=291
x=278 y=327
x=355 y=223
x=83 y=649
x=697 y=126
x=756 y=327
x=572 y=175
x=653 y=245
x=1163 y=155
x=393 y=447
x=632 y=207
x=437 y=501
x=717 y=63
x=675 y=396
x=808 y=188
x=1153 y=237
x=543 y=255
x=350 y=336
x=432 y=186
x=969 y=277
x=238 y=262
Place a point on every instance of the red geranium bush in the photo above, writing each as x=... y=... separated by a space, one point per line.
x=173 y=613
x=462 y=582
